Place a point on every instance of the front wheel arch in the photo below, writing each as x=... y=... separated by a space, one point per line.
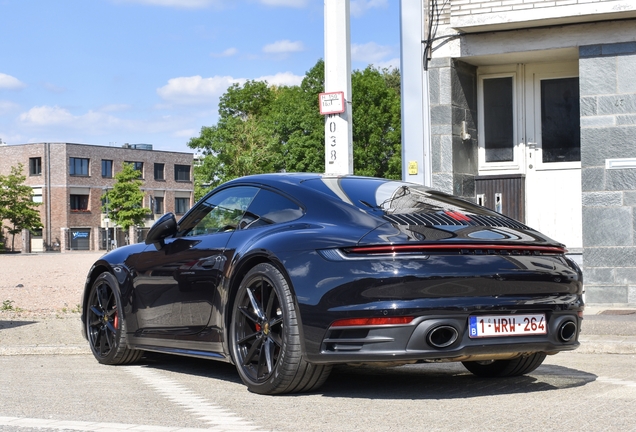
x=104 y=322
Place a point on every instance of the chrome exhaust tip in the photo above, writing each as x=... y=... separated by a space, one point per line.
x=442 y=336
x=567 y=331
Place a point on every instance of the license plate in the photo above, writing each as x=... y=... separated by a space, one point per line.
x=506 y=325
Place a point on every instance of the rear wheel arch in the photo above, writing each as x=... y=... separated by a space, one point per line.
x=265 y=340
x=239 y=274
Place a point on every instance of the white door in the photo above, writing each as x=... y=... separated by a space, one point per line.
x=529 y=122
x=553 y=152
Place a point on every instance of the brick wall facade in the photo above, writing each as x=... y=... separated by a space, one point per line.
x=58 y=184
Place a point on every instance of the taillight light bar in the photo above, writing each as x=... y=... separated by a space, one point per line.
x=380 y=321
x=385 y=249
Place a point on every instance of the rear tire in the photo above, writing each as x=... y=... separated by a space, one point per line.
x=506 y=368
x=265 y=336
x=105 y=326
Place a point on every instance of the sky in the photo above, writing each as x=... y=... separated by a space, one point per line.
x=110 y=72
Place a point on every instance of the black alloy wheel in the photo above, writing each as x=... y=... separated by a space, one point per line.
x=105 y=328
x=265 y=336
x=506 y=368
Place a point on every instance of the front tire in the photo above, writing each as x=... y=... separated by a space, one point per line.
x=506 y=368
x=105 y=326
x=265 y=336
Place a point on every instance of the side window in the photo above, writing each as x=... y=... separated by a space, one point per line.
x=268 y=208
x=220 y=212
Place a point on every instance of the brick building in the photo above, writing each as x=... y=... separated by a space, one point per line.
x=532 y=111
x=70 y=179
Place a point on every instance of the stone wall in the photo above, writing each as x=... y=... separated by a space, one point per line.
x=608 y=136
x=453 y=99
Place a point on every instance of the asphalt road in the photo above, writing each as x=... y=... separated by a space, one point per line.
x=48 y=381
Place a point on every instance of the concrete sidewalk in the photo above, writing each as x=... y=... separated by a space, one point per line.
x=610 y=330
x=604 y=330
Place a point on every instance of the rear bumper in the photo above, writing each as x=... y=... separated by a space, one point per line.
x=411 y=342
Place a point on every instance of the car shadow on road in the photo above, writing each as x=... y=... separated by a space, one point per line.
x=192 y=366
x=418 y=381
x=9 y=324
x=444 y=381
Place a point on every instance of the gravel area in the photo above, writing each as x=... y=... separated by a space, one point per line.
x=43 y=284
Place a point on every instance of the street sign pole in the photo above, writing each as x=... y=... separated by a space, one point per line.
x=335 y=103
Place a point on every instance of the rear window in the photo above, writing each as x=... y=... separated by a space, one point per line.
x=386 y=197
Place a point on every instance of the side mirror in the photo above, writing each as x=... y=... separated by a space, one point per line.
x=165 y=226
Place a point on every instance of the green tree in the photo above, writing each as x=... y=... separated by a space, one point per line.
x=268 y=129
x=123 y=202
x=377 y=134
x=16 y=203
x=296 y=123
x=240 y=143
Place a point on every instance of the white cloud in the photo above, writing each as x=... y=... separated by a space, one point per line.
x=47 y=116
x=290 y=3
x=186 y=133
x=370 y=52
x=388 y=64
x=227 y=53
x=359 y=7
x=115 y=108
x=11 y=83
x=54 y=120
x=181 y=4
x=283 y=47
x=195 y=90
x=282 y=79
x=7 y=107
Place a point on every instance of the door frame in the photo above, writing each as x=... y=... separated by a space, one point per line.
x=540 y=213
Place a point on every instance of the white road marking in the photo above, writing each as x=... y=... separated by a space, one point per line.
x=18 y=422
x=215 y=415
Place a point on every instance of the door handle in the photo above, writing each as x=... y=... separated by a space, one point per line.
x=531 y=146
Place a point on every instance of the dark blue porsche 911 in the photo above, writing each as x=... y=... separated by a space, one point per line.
x=285 y=275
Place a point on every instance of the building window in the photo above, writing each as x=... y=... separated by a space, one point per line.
x=181 y=205
x=182 y=172
x=159 y=167
x=139 y=166
x=78 y=166
x=498 y=119
x=560 y=120
x=158 y=208
x=107 y=168
x=35 y=166
x=79 y=203
x=37 y=195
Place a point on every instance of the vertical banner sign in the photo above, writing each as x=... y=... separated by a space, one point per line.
x=335 y=102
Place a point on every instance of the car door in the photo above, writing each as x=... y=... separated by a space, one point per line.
x=176 y=286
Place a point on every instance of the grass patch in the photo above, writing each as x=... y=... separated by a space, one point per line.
x=7 y=306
